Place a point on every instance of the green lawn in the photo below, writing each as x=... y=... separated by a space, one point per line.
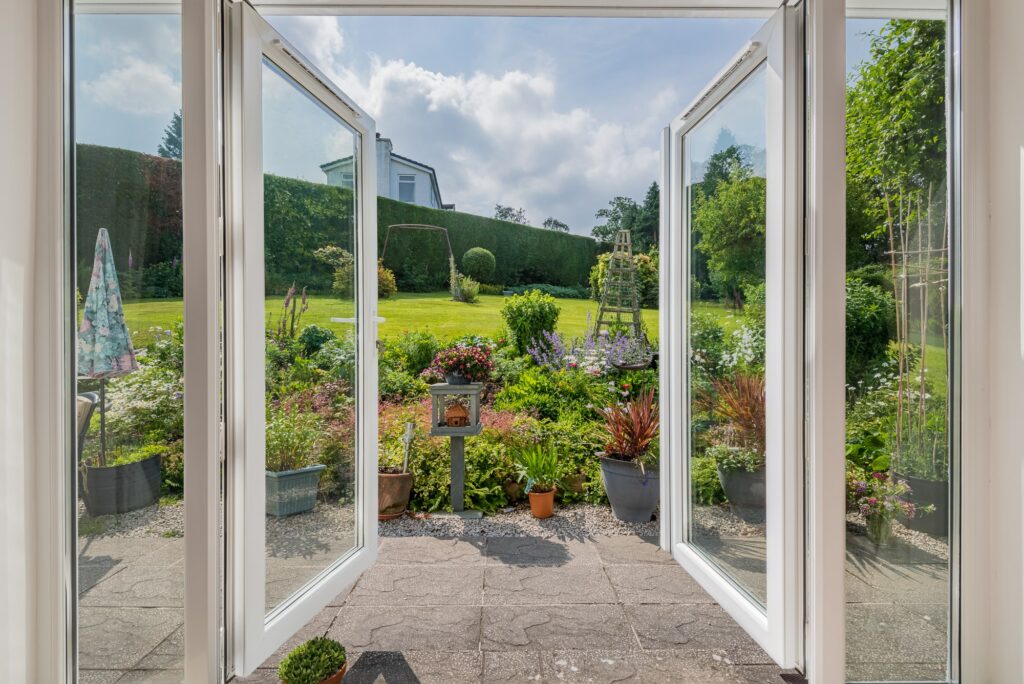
x=433 y=311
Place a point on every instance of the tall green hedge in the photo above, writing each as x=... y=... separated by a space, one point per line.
x=137 y=197
x=524 y=254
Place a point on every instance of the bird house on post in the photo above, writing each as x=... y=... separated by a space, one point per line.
x=455 y=413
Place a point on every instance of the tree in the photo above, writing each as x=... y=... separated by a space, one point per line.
x=620 y=214
x=170 y=146
x=645 y=230
x=551 y=223
x=505 y=213
x=732 y=228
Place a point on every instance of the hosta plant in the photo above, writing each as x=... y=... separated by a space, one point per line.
x=312 y=662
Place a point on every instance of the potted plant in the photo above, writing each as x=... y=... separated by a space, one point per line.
x=741 y=473
x=538 y=466
x=738 y=406
x=631 y=483
x=318 y=661
x=292 y=471
x=394 y=485
x=464 y=364
x=127 y=481
x=881 y=499
x=922 y=460
x=631 y=353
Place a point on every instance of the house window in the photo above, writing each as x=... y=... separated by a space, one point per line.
x=407 y=188
x=346 y=180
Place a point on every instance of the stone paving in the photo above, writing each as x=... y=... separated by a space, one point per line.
x=519 y=609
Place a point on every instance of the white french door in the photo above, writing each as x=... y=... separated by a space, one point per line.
x=734 y=232
x=288 y=131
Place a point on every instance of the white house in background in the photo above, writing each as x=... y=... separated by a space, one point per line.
x=398 y=178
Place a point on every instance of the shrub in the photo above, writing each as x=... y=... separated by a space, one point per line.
x=555 y=395
x=398 y=385
x=491 y=289
x=479 y=264
x=312 y=662
x=647 y=277
x=707 y=344
x=418 y=349
x=528 y=316
x=734 y=459
x=292 y=439
x=870 y=324
x=469 y=290
x=739 y=401
x=556 y=291
x=632 y=428
x=338 y=358
x=313 y=337
x=386 y=285
x=707 y=488
x=538 y=465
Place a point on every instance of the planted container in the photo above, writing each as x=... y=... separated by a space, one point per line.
x=928 y=493
x=121 y=488
x=393 y=491
x=293 y=491
x=633 y=494
x=542 y=504
x=744 y=489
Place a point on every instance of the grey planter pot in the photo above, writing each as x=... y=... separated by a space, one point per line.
x=293 y=491
x=922 y=493
x=745 y=491
x=121 y=488
x=633 y=495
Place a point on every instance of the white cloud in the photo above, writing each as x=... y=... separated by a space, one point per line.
x=500 y=136
x=137 y=87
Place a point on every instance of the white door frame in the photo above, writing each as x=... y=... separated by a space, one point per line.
x=258 y=634
x=825 y=59
x=777 y=626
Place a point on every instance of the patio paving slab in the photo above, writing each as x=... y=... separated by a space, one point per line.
x=118 y=638
x=548 y=628
x=410 y=585
x=658 y=584
x=630 y=550
x=533 y=551
x=546 y=585
x=409 y=628
x=698 y=627
x=886 y=633
x=411 y=667
x=431 y=551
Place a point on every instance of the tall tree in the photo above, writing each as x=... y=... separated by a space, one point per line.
x=506 y=213
x=732 y=228
x=170 y=146
x=620 y=214
x=551 y=223
x=645 y=230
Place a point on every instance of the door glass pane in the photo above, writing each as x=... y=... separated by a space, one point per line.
x=724 y=177
x=127 y=273
x=311 y=277
x=899 y=341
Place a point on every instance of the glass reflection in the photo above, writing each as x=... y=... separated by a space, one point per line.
x=310 y=160
x=724 y=167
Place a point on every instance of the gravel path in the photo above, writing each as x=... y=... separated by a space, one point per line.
x=925 y=542
x=578 y=521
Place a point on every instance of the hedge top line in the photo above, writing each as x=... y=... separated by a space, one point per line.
x=416 y=226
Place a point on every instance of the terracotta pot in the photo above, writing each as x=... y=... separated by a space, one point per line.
x=393 y=491
x=542 y=504
x=336 y=677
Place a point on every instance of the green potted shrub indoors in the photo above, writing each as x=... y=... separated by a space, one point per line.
x=318 y=661
x=293 y=471
x=538 y=466
x=628 y=467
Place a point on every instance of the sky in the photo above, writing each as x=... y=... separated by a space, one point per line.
x=555 y=115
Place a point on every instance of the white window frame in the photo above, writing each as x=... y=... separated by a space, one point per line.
x=257 y=633
x=407 y=179
x=777 y=626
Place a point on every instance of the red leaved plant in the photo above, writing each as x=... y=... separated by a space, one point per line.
x=632 y=427
x=739 y=401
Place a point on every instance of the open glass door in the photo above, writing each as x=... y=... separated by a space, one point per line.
x=304 y=469
x=735 y=372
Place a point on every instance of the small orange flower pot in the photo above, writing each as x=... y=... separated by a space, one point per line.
x=542 y=504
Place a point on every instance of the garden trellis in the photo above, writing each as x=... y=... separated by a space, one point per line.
x=620 y=301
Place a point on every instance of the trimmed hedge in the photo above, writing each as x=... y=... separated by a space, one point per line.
x=137 y=197
x=524 y=254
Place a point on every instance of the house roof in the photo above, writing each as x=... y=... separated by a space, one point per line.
x=407 y=160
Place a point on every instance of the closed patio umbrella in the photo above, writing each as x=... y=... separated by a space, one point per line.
x=104 y=342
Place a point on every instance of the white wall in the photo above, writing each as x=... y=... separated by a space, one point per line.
x=1006 y=369
x=17 y=193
